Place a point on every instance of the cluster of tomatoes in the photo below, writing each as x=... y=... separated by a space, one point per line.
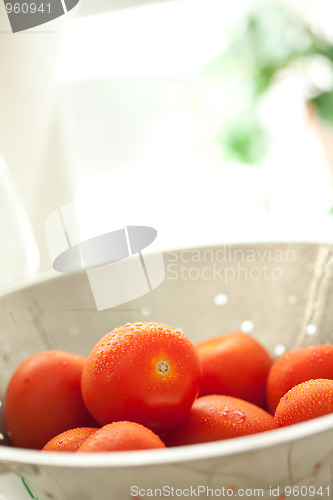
x=146 y=385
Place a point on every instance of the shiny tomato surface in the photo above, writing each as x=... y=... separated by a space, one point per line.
x=296 y=366
x=147 y=373
x=121 y=436
x=217 y=417
x=305 y=401
x=235 y=364
x=43 y=398
x=69 y=440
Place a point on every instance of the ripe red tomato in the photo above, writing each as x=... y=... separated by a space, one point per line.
x=296 y=366
x=217 y=417
x=305 y=401
x=235 y=365
x=121 y=436
x=43 y=398
x=142 y=372
x=69 y=440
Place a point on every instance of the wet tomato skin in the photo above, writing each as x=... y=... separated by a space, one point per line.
x=43 y=398
x=237 y=365
x=305 y=401
x=147 y=373
x=69 y=440
x=121 y=436
x=217 y=417
x=296 y=366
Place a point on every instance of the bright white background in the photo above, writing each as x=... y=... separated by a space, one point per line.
x=72 y=127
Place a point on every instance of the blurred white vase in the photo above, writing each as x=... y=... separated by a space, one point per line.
x=19 y=254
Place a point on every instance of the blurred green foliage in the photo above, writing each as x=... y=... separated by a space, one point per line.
x=244 y=140
x=268 y=42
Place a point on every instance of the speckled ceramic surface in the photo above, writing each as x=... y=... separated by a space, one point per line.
x=279 y=293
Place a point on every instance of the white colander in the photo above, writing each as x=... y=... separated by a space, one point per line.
x=280 y=293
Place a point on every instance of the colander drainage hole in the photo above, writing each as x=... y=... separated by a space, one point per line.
x=247 y=326
x=292 y=299
x=311 y=329
x=279 y=349
x=220 y=299
x=146 y=311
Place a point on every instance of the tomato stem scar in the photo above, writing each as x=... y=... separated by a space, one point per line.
x=163 y=367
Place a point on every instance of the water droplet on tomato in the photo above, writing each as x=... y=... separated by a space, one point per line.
x=234 y=416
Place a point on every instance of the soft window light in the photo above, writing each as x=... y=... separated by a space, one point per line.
x=172 y=37
x=137 y=107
